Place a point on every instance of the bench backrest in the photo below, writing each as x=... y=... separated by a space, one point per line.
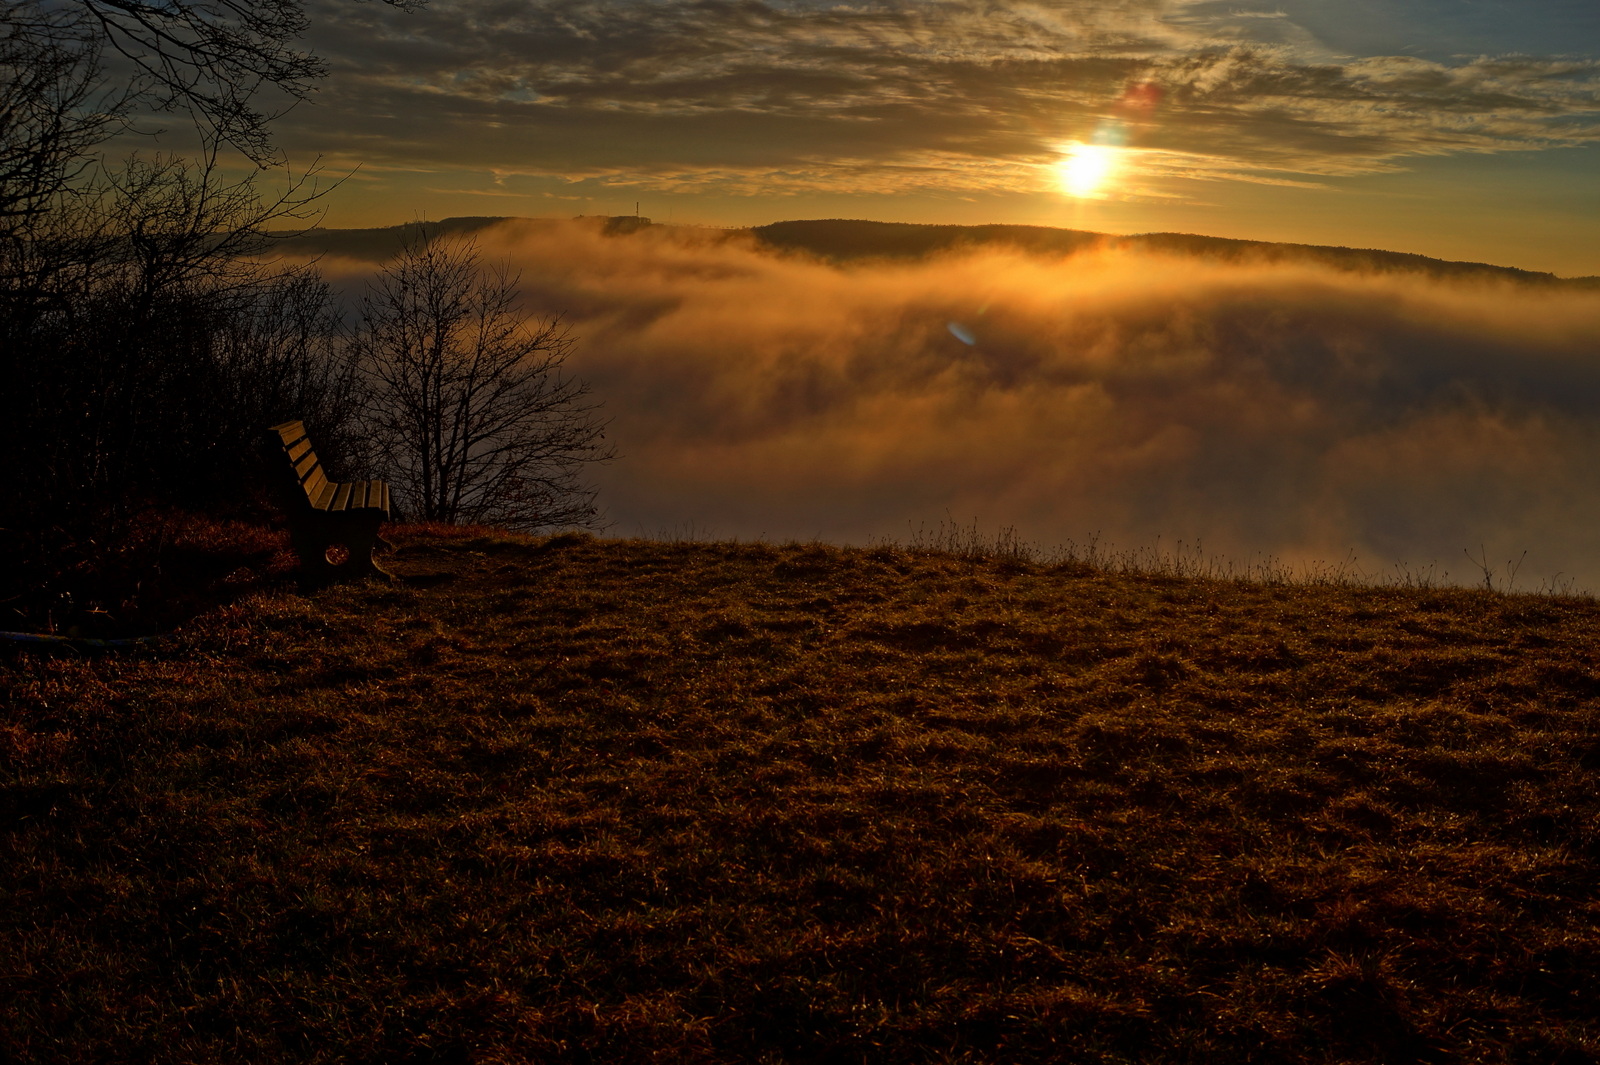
x=304 y=462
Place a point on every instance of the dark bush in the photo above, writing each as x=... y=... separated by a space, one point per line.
x=146 y=341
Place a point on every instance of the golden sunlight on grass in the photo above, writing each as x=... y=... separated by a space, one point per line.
x=1087 y=169
x=569 y=799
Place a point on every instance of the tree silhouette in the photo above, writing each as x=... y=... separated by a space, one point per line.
x=469 y=411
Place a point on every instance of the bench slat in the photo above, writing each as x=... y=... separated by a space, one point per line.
x=341 y=496
x=306 y=465
x=315 y=483
x=290 y=432
x=297 y=451
x=324 y=495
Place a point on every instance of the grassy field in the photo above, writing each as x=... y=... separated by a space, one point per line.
x=589 y=800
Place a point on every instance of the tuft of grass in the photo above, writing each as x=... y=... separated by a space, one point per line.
x=445 y=531
x=1191 y=561
x=571 y=799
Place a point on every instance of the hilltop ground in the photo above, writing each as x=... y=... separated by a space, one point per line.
x=587 y=800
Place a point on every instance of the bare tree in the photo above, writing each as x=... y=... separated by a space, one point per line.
x=140 y=319
x=52 y=112
x=208 y=59
x=75 y=72
x=470 y=411
x=143 y=341
x=142 y=349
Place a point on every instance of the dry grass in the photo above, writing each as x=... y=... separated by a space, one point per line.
x=585 y=800
x=164 y=568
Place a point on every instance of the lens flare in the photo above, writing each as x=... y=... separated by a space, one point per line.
x=1087 y=169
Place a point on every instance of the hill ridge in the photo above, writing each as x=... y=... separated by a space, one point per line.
x=851 y=239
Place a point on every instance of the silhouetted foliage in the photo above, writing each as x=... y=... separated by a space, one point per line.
x=144 y=339
x=206 y=59
x=143 y=348
x=52 y=111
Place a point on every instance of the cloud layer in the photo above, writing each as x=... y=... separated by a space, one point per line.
x=750 y=97
x=1290 y=410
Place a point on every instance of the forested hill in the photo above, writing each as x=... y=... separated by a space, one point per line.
x=375 y=245
x=846 y=240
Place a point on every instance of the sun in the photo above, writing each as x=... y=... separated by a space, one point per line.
x=1087 y=169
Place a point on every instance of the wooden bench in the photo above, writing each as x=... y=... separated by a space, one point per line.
x=324 y=516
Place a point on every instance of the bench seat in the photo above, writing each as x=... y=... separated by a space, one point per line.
x=354 y=496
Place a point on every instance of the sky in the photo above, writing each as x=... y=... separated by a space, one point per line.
x=1461 y=129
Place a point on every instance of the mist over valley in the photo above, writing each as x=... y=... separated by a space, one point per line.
x=1315 y=405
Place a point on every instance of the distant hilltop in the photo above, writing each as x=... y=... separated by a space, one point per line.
x=849 y=240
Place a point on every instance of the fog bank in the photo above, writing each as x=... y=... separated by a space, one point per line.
x=1289 y=410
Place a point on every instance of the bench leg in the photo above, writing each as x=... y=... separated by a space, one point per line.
x=312 y=548
x=357 y=534
x=361 y=542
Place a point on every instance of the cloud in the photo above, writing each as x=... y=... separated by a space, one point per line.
x=1292 y=410
x=729 y=95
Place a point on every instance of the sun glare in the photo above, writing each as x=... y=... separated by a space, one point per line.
x=1087 y=169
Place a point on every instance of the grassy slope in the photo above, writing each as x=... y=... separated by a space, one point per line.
x=614 y=801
